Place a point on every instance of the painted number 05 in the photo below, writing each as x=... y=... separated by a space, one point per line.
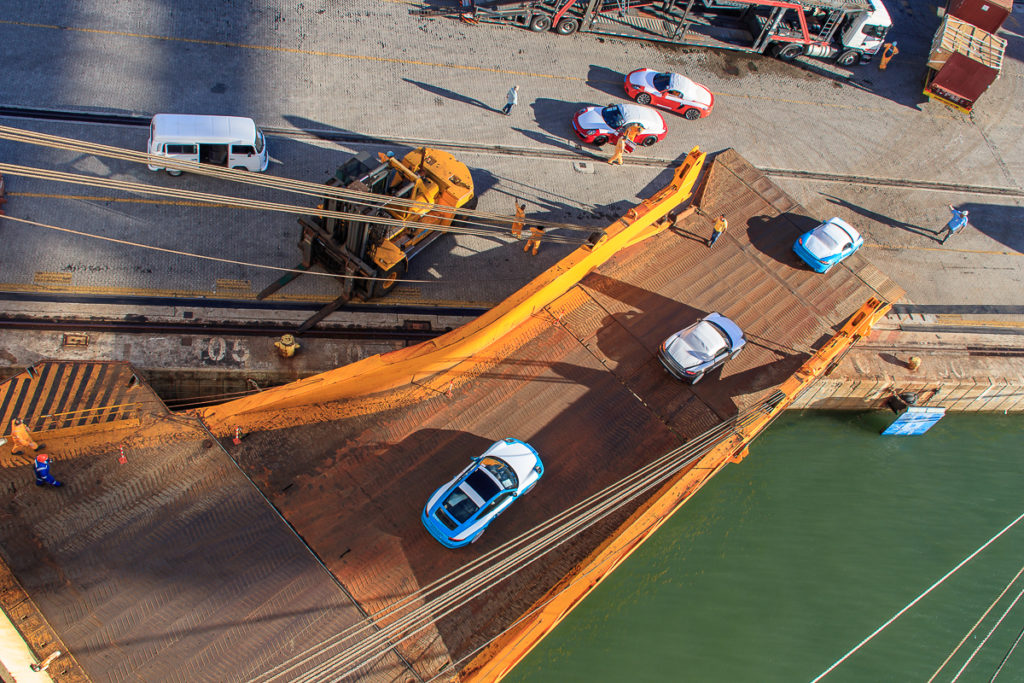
x=217 y=350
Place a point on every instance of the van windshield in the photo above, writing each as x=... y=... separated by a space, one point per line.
x=259 y=141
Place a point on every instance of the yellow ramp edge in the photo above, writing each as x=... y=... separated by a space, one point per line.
x=429 y=360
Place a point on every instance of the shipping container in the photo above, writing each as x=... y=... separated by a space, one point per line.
x=962 y=63
x=988 y=15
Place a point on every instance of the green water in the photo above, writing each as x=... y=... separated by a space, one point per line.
x=786 y=561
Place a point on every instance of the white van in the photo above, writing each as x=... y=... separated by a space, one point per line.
x=231 y=141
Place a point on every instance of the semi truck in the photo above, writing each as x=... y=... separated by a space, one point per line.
x=848 y=31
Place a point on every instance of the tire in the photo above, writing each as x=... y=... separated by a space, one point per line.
x=239 y=168
x=540 y=23
x=788 y=53
x=848 y=58
x=691 y=114
x=643 y=98
x=649 y=140
x=601 y=140
x=174 y=172
x=391 y=276
x=567 y=26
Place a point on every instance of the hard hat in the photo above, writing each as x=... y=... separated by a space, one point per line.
x=42 y=457
x=17 y=420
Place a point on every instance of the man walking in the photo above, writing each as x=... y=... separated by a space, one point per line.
x=624 y=144
x=956 y=223
x=721 y=225
x=517 y=224
x=19 y=432
x=43 y=476
x=511 y=100
x=536 y=232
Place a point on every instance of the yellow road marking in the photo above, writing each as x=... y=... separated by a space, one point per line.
x=950 y=319
x=123 y=200
x=953 y=251
x=291 y=50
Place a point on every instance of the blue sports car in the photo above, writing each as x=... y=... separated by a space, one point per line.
x=458 y=512
x=827 y=244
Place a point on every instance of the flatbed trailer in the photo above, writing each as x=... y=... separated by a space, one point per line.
x=850 y=31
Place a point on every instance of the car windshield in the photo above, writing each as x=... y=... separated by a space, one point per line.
x=875 y=31
x=708 y=339
x=505 y=475
x=612 y=115
x=661 y=81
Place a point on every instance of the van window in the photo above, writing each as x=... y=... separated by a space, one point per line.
x=179 y=149
x=260 y=142
x=243 y=149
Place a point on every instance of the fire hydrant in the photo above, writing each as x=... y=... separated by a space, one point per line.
x=287 y=346
x=888 y=52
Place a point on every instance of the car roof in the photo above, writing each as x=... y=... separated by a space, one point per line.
x=838 y=224
x=202 y=128
x=646 y=116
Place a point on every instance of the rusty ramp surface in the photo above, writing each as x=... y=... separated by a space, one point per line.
x=169 y=566
x=580 y=381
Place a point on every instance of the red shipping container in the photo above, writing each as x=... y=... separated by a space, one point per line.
x=988 y=15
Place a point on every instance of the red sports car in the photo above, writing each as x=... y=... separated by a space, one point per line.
x=601 y=125
x=670 y=91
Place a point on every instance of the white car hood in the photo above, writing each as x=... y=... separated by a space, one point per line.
x=519 y=457
x=691 y=91
x=591 y=119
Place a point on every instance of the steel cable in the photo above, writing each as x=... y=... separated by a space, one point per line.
x=485 y=219
x=561 y=528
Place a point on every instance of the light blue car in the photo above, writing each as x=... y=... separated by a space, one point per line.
x=828 y=244
x=459 y=512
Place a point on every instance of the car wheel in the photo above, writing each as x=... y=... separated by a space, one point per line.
x=643 y=98
x=239 y=168
x=649 y=140
x=848 y=58
x=691 y=114
x=601 y=140
x=567 y=26
x=788 y=53
x=174 y=172
x=540 y=23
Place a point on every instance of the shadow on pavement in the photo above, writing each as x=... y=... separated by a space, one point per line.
x=883 y=219
x=451 y=95
x=607 y=81
x=1000 y=222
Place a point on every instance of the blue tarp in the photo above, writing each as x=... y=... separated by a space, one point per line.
x=916 y=420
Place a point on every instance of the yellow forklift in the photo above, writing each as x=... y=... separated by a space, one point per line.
x=373 y=246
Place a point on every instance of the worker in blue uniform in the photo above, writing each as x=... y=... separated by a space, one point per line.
x=956 y=223
x=43 y=475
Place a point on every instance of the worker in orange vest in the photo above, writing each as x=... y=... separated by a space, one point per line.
x=721 y=225
x=536 y=232
x=889 y=50
x=517 y=224
x=19 y=432
x=624 y=144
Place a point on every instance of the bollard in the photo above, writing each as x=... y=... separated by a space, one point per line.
x=238 y=436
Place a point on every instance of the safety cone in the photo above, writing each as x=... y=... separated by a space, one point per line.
x=238 y=436
x=451 y=385
x=122 y=459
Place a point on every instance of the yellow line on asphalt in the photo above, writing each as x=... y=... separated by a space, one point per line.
x=291 y=50
x=952 y=251
x=123 y=200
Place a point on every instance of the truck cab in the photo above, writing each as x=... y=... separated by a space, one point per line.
x=865 y=31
